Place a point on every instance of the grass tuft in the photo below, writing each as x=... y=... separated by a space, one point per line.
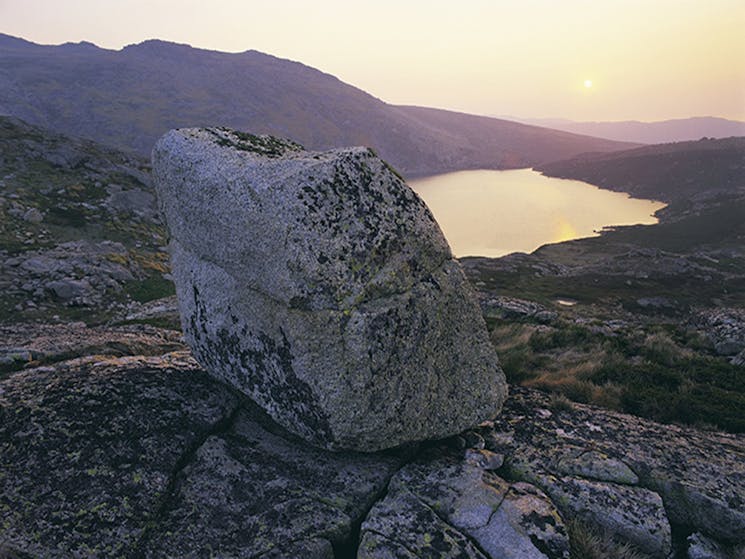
x=559 y=403
x=589 y=543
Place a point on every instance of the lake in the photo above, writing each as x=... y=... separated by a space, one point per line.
x=493 y=213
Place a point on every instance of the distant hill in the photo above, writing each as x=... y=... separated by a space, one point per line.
x=678 y=130
x=128 y=98
x=666 y=172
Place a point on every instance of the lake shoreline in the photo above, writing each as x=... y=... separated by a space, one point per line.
x=493 y=213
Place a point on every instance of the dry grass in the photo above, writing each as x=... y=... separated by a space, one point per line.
x=559 y=403
x=608 y=396
x=660 y=347
x=510 y=336
x=650 y=371
x=566 y=372
x=589 y=543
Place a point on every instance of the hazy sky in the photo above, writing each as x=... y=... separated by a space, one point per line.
x=646 y=59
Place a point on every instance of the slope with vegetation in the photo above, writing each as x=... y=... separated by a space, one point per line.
x=656 y=319
x=80 y=234
x=682 y=171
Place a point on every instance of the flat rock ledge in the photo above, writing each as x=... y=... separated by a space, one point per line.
x=147 y=456
x=320 y=285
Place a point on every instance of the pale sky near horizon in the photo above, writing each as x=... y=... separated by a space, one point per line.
x=646 y=59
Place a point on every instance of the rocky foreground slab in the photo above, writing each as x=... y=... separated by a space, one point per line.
x=147 y=456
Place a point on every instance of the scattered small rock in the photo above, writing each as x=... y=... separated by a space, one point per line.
x=33 y=215
x=725 y=327
x=701 y=547
x=510 y=308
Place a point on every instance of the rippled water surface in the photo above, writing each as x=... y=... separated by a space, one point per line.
x=492 y=213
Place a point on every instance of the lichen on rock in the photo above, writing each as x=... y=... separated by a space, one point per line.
x=88 y=448
x=444 y=507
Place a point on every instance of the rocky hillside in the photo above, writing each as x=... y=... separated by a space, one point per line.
x=147 y=456
x=129 y=98
x=645 y=319
x=80 y=235
x=667 y=172
x=655 y=326
x=114 y=442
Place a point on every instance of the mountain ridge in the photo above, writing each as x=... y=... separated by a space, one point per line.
x=130 y=97
x=654 y=132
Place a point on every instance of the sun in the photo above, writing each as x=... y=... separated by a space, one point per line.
x=588 y=84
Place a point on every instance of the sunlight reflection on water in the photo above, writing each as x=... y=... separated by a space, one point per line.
x=493 y=213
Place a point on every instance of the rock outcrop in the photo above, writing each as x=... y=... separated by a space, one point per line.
x=321 y=286
x=725 y=328
x=88 y=448
x=462 y=509
x=141 y=456
x=129 y=456
x=32 y=345
x=604 y=466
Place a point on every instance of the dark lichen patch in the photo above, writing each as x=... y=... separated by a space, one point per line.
x=342 y=210
x=260 y=365
x=268 y=146
x=387 y=165
x=402 y=525
x=88 y=448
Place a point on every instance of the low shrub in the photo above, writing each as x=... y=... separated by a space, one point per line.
x=660 y=373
